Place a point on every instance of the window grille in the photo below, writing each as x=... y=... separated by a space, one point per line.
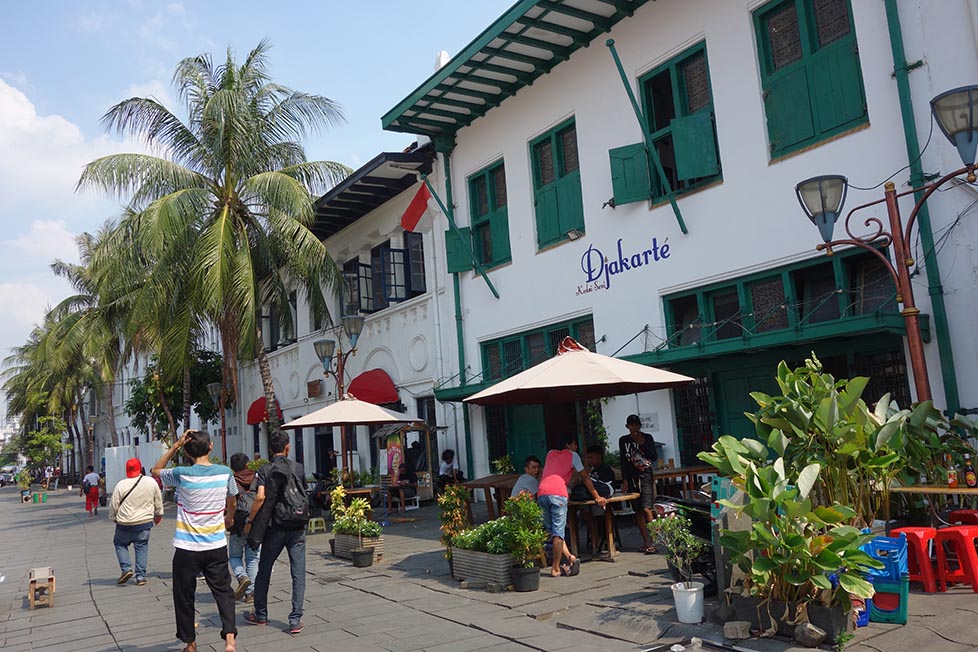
x=784 y=36
x=831 y=20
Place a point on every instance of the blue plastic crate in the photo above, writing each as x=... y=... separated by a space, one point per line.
x=892 y=551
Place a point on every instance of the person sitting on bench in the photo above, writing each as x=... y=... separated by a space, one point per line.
x=405 y=486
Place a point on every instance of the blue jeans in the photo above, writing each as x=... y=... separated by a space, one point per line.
x=139 y=540
x=271 y=547
x=554 y=514
x=243 y=560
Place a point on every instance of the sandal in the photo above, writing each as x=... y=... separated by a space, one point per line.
x=649 y=550
x=575 y=567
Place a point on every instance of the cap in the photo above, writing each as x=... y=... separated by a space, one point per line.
x=134 y=467
x=633 y=418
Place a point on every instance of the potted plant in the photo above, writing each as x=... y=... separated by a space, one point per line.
x=524 y=521
x=683 y=547
x=453 y=512
x=484 y=553
x=793 y=551
x=353 y=530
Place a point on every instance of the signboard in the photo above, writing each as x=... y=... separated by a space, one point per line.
x=599 y=269
x=395 y=455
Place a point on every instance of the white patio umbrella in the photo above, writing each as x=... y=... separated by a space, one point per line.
x=576 y=374
x=349 y=411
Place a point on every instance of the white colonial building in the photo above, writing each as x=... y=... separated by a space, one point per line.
x=544 y=165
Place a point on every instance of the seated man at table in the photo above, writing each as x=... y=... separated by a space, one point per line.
x=601 y=476
x=448 y=471
x=404 y=486
x=530 y=480
x=560 y=469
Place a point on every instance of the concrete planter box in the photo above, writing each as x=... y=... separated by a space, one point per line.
x=472 y=565
x=347 y=542
x=765 y=615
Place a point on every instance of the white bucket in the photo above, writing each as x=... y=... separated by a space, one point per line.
x=689 y=602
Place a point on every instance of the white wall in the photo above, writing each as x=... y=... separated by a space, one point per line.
x=748 y=222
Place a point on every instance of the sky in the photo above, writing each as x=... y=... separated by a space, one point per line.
x=63 y=64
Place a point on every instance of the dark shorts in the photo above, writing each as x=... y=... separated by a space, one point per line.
x=646 y=490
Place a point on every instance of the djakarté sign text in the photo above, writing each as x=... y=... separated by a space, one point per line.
x=599 y=268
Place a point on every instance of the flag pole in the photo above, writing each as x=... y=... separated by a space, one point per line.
x=461 y=239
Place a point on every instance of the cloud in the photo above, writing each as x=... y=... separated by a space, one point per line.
x=46 y=240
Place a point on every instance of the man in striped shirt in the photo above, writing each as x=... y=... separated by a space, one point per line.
x=205 y=507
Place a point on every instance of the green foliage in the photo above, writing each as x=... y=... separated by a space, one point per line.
x=257 y=463
x=352 y=519
x=519 y=533
x=43 y=446
x=24 y=479
x=793 y=546
x=145 y=406
x=453 y=512
x=503 y=465
x=594 y=419
x=824 y=421
x=682 y=546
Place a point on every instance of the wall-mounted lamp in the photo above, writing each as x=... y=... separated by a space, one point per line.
x=574 y=234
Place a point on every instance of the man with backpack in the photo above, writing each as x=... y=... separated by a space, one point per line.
x=279 y=515
x=243 y=559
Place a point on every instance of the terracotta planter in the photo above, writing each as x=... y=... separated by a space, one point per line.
x=345 y=543
x=472 y=565
x=761 y=615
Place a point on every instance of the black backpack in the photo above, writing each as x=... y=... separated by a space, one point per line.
x=291 y=511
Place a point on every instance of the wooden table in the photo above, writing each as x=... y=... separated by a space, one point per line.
x=935 y=490
x=503 y=482
x=363 y=492
x=688 y=475
x=609 y=523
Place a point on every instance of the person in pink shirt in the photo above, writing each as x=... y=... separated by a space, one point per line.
x=559 y=471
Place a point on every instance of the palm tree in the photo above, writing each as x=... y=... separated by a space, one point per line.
x=228 y=199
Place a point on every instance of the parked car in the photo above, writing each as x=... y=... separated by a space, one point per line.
x=5 y=479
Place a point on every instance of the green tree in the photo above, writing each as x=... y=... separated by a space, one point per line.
x=43 y=446
x=222 y=216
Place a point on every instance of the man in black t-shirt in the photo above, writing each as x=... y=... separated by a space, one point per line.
x=600 y=474
x=638 y=457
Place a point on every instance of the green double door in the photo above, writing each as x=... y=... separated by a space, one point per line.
x=733 y=398
x=535 y=429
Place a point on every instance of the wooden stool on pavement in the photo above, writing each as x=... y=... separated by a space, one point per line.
x=958 y=540
x=40 y=589
x=918 y=557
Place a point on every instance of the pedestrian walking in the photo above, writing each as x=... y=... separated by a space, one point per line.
x=282 y=510
x=243 y=559
x=90 y=490
x=205 y=495
x=136 y=506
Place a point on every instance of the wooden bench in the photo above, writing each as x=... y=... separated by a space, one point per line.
x=40 y=589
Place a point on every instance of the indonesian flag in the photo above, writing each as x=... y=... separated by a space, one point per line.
x=420 y=214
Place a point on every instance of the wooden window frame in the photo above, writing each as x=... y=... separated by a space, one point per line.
x=493 y=220
x=566 y=184
x=572 y=326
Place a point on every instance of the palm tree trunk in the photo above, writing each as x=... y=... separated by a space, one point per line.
x=271 y=405
x=108 y=389
x=172 y=425
x=186 y=397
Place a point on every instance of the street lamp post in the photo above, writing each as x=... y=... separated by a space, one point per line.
x=822 y=198
x=326 y=349
x=214 y=389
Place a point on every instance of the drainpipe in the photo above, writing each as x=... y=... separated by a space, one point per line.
x=934 y=288
x=457 y=287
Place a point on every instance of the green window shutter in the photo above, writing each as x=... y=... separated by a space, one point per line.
x=570 y=205
x=695 y=146
x=787 y=104
x=458 y=258
x=548 y=226
x=837 y=86
x=499 y=232
x=630 y=173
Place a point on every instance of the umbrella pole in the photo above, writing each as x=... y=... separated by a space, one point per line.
x=580 y=423
x=346 y=469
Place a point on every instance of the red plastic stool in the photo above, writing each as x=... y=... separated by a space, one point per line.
x=959 y=540
x=918 y=559
x=964 y=516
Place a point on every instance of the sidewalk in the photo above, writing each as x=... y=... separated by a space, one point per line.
x=405 y=603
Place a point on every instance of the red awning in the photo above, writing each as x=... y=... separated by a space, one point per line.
x=374 y=386
x=257 y=412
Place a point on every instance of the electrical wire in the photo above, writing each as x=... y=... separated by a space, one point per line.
x=907 y=166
